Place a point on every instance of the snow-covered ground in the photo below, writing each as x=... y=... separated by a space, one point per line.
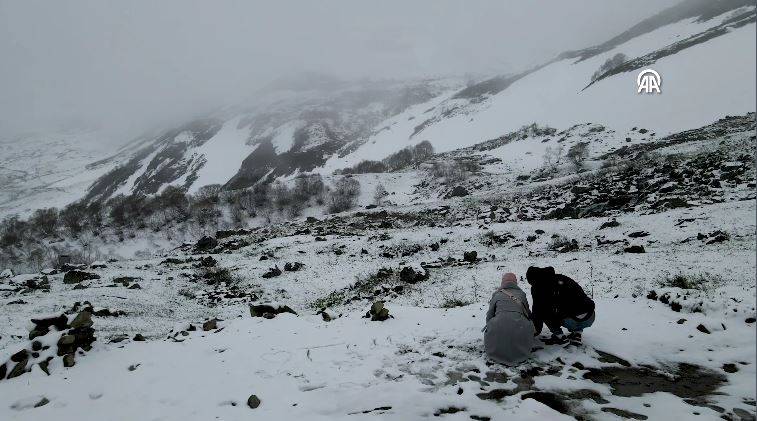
x=425 y=359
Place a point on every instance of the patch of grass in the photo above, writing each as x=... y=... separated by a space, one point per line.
x=454 y=302
x=333 y=299
x=360 y=287
x=695 y=281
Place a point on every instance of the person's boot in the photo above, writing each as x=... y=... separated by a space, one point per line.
x=575 y=338
x=555 y=340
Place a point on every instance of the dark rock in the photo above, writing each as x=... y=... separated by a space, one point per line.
x=83 y=319
x=135 y=286
x=20 y=356
x=624 y=414
x=206 y=243
x=3 y=370
x=45 y=365
x=634 y=249
x=470 y=256
x=43 y=325
x=411 y=275
x=268 y=311
x=18 y=369
x=36 y=345
x=208 y=262
x=378 y=312
x=77 y=276
x=750 y=320
x=211 y=324
x=638 y=234
x=253 y=401
x=293 y=267
x=272 y=272
x=69 y=360
x=139 y=338
x=42 y=402
x=458 y=191
x=730 y=368
x=703 y=329
x=609 y=224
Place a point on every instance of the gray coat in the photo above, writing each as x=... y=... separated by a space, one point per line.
x=509 y=335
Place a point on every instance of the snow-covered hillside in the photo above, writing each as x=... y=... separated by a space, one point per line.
x=270 y=320
x=705 y=52
x=44 y=170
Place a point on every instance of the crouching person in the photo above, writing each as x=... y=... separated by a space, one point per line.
x=509 y=333
x=559 y=302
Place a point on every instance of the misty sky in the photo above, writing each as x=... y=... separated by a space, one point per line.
x=125 y=65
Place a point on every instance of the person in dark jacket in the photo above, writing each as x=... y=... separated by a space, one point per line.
x=509 y=336
x=558 y=302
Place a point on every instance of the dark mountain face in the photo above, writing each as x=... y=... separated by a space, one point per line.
x=323 y=122
x=702 y=10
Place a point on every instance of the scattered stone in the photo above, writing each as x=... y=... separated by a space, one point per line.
x=470 y=256
x=624 y=414
x=378 y=313
x=20 y=356
x=458 y=191
x=730 y=368
x=293 y=267
x=69 y=360
x=135 y=286
x=609 y=224
x=413 y=274
x=18 y=369
x=272 y=272
x=634 y=249
x=208 y=262
x=211 y=324
x=253 y=401
x=206 y=243
x=638 y=234
x=703 y=329
x=77 y=276
x=750 y=320
x=269 y=311
x=83 y=319
x=42 y=402
x=139 y=338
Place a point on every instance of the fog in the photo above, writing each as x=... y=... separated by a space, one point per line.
x=123 y=66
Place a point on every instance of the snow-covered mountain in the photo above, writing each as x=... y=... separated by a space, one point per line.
x=704 y=50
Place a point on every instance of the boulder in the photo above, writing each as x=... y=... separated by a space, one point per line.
x=272 y=272
x=634 y=249
x=43 y=325
x=458 y=191
x=253 y=401
x=83 y=319
x=378 y=313
x=18 y=369
x=139 y=338
x=206 y=243
x=211 y=324
x=77 y=276
x=208 y=262
x=293 y=267
x=470 y=256
x=413 y=274
x=69 y=360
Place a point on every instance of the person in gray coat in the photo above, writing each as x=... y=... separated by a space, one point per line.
x=509 y=333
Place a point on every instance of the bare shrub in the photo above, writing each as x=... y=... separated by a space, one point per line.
x=577 y=154
x=379 y=194
x=343 y=195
